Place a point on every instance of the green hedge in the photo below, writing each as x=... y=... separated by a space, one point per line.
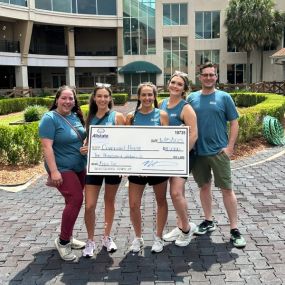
x=20 y=144
x=13 y=105
x=250 y=120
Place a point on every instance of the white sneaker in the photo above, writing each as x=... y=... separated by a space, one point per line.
x=157 y=245
x=77 y=244
x=89 y=249
x=184 y=239
x=64 y=251
x=137 y=245
x=173 y=235
x=109 y=244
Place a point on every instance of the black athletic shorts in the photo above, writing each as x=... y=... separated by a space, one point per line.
x=143 y=180
x=98 y=179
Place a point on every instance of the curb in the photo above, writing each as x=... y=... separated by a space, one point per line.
x=20 y=186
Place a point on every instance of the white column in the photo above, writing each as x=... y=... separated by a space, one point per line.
x=70 y=76
x=21 y=74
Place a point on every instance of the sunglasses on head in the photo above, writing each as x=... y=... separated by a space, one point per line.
x=106 y=85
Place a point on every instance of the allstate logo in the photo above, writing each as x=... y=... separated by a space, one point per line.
x=100 y=133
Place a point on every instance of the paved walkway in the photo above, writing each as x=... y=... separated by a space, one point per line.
x=30 y=221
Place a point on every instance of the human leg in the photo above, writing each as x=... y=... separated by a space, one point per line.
x=161 y=215
x=109 y=200
x=177 y=193
x=206 y=200
x=91 y=197
x=72 y=191
x=111 y=187
x=162 y=207
x=135 y=196
x=92 y=191
x=202 y=175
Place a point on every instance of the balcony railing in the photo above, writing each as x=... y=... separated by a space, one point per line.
x=9 y=46
x=97 y=53
x=49 y=49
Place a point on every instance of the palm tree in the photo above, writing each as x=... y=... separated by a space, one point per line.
x=249 y=24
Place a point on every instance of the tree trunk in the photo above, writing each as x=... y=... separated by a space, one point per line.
x=261 y=65
x=248 y=69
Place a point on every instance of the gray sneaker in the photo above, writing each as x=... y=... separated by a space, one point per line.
x=64 y=251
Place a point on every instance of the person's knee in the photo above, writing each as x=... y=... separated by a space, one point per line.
x=90 y=207
x=228 y=194
x=176 y=195
x=206 y=187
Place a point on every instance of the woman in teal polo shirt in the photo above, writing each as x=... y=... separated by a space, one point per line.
x=62 y=132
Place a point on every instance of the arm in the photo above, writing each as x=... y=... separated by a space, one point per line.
x=129 y=118
x=120 y=119
x=189 y=117
x=164 y=118
x=50 y=160
x=234 y=127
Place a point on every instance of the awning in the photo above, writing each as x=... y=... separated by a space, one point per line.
x=140 y=67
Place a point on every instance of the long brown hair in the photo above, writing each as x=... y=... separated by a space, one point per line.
x=76 y=109
x=140 y=87
x=93 y=108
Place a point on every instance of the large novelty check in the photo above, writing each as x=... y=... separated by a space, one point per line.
x=138 y=150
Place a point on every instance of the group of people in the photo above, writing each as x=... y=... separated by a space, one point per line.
x=63 y=134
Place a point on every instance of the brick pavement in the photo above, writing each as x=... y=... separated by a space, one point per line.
x=30 y=221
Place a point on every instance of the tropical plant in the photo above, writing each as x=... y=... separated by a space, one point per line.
x=249 y=23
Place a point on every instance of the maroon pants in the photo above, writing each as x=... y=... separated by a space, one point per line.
x=72 y=191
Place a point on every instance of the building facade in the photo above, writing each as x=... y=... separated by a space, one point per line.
x=47 y=43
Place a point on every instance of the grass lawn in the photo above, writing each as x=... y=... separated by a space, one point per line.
x=6 y=119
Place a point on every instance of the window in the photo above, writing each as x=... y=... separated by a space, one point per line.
x=15 y=2
x=236 y=73
x=232 y=47
x=174 y=14
x=207 y=25
x=43 y=4
x=94 y=7
x=139 y=27
x=175 y=55
x=203 y=56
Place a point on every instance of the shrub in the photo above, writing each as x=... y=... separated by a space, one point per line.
x=8 y=106
x=163 y=94
x=20 y=144
x=120 y=98
x=34 y=113
x=251 y=118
